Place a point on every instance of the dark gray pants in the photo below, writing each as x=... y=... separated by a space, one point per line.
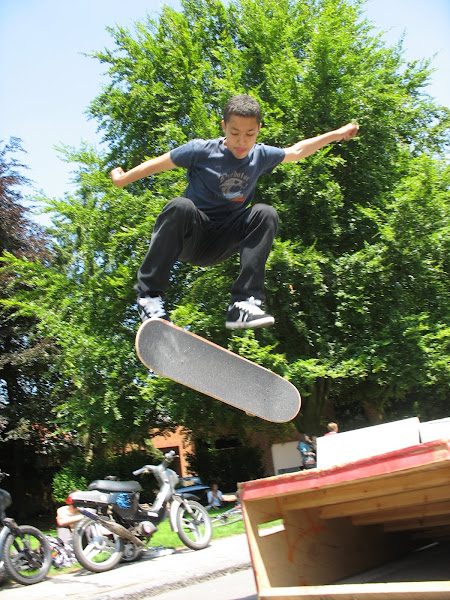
x=183 y=232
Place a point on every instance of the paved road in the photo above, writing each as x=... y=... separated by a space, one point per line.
x=429 y=564
x=151 y=575
x=222 y=571
x=233 y=586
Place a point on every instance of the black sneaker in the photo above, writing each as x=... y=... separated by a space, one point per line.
x=151 y=308
x=247 y=313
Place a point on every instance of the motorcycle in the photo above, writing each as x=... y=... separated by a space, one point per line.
x=116 y=527
x=25 y=554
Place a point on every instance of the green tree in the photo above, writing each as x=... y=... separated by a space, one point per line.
x=394 y=306
x=313 y=66
x=27 y=434
x=83 y=303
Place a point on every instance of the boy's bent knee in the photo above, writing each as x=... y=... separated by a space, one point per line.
x=266 y=213
x=180 y=204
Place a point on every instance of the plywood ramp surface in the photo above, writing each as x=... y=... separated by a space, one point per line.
x=434 y=590
x=333 y=523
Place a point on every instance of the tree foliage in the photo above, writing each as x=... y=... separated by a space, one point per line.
x=89 y=317
x=27 y=433
x=358 y=276
x=22 y=356
x=393 y=309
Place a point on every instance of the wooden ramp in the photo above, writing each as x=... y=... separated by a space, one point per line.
x=329 y=524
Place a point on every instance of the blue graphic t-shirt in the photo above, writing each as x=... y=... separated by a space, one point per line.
x=219 y=183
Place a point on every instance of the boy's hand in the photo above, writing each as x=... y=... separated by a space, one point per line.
x=117 y=175
x=347 y=132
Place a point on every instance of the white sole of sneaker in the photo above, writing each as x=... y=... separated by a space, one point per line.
x=250 y=324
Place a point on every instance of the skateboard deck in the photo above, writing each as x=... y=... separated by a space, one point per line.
x=201 y=365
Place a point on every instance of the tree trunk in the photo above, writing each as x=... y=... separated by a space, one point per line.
x=309 y=419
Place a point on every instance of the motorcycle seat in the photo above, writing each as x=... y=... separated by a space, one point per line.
x=106 y=485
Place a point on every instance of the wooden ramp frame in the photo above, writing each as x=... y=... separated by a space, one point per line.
x=330 y=524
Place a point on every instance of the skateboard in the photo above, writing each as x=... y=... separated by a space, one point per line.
x=205 y=367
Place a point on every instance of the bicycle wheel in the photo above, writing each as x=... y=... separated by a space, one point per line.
x=27 y=556
x=96 y=548
x=194 y=525
x=3 y=573
x=228 y=517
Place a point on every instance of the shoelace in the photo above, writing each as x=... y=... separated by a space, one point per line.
x=152 y=307
x=251 y=306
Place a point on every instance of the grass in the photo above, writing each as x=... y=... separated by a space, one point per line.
x=168 y=538
x=165 y=537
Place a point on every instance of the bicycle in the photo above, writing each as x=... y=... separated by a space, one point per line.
x=25 y=554
x=231 y=515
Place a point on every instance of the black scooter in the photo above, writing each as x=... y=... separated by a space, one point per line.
x=116 y=527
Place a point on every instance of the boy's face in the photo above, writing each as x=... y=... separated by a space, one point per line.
x=240 y=134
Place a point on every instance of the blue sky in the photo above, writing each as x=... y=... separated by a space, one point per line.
x=47 y=83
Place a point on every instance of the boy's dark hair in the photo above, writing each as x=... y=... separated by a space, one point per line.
x=242 y=106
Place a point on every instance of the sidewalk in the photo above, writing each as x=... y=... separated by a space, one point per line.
x=148 y=576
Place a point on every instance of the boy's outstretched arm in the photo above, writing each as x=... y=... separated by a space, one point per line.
x=306 y=147
x=120 y=178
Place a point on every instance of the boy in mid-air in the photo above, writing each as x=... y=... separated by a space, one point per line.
x=215 y=219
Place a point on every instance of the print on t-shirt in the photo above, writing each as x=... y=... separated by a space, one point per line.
x=233 y=185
